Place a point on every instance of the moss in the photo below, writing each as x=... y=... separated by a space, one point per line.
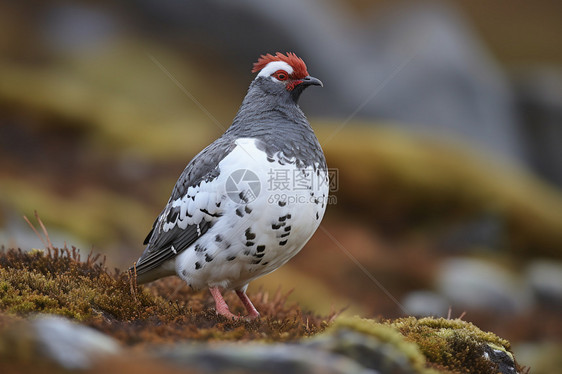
x=424 y=182
x=58 y=282
x=387 y=335
x=117 y=112
x=433 y=345
x=453 y=345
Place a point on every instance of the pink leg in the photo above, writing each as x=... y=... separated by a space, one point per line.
x=221 y=306
x=252 y=311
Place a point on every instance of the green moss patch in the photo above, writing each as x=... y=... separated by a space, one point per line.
x=455 y=345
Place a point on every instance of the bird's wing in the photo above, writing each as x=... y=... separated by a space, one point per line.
x=191 y=210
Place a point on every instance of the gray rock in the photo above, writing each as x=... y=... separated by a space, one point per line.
x=502 y=358
x=418 y=63
x=485 y=232
x=16 y=233
x=450 y=88
x=545 y=279
x=77 y=28
x=425 y=304
x=478 y=284
x=71 y=345
x=262 y=358
x=364 y=349
x=539 y=101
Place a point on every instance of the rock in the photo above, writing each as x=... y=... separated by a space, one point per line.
x=52 y=339
x=478 y=284
x=262 y=358
x=73 y=28
x=545 y=279
x=356 y=345
x=349 y=345
x=71 y=345
x=425 y=304
x=458 y=346
x=420 y=64
x=375 y=346
x=500 y=357
x=17 y=232
x=486 y=231
x=450 y=87
x=539 y=101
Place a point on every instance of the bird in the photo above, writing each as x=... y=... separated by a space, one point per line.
x=249 y=201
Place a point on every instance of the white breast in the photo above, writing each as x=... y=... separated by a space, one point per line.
x=269 y=212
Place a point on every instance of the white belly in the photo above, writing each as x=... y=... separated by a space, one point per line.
x=279 y=209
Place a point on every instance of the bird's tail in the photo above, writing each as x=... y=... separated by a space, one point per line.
x=146 y=276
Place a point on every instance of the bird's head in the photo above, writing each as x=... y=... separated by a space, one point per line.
x=286 y=71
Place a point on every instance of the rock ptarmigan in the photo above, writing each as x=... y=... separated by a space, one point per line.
x=249 y=201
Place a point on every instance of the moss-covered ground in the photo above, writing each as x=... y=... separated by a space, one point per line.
x=61 y=282
x=58 y=282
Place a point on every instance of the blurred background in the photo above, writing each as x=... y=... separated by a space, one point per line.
x=443 y=118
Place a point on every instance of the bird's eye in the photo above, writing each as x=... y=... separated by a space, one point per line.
x=280 y=75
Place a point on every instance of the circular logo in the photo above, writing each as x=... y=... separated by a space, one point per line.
x=243 y=186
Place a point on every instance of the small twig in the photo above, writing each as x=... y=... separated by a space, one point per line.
x=50 y=245
x=335 y=313
x=35 y=230
x=449 y=314
x=135 y=268
x=133 y=281
x=44 y=239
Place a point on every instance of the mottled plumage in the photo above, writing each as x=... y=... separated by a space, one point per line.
x=228 y=221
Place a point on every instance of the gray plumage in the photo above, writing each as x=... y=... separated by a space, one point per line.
x=269 y=114
x=211 y=239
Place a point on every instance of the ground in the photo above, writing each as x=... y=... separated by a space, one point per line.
x=167 y=314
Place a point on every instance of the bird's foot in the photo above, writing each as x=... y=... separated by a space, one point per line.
x=227 y=313
x=252 y=311
x=221 y=306
x=223 y=310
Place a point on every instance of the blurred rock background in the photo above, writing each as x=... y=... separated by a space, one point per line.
x=444 y=120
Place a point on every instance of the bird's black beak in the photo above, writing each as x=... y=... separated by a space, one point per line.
x=305 y=82
x=311 y=81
